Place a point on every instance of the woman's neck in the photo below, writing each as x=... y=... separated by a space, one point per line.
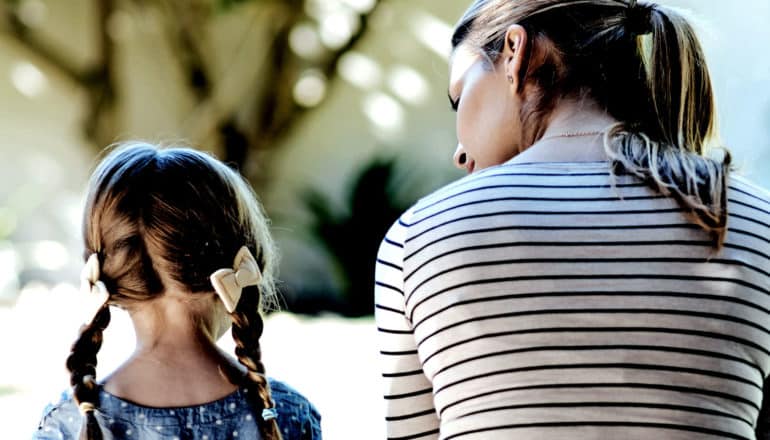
x=575 y=133
x=176 y=361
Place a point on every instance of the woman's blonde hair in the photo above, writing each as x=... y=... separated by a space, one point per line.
x=642 y=63
x=182 y=213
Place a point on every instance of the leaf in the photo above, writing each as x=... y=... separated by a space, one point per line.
x=352 y=235
x=226 y=5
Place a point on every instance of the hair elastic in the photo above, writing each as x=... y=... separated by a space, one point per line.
x=269 y=414
x=639 y=18
x=86 y=407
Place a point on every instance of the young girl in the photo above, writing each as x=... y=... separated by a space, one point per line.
x=597 y=275
x=178 y=240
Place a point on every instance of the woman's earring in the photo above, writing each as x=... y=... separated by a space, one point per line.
x=510 y=79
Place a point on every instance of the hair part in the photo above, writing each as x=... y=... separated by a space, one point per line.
x=167 y=218
x=643 y=64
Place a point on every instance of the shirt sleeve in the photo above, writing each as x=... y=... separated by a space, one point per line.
x=48 y=430
x=59 y=421
x=298 y=418
x=763 y=419
x=410 y=411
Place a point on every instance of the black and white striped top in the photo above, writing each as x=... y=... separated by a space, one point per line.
x=537 y=301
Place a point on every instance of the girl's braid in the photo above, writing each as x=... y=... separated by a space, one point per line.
x=246 y=331
x=82 y=366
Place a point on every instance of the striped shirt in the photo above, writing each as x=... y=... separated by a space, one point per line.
x=539 y=301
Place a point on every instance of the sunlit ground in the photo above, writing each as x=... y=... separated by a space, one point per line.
x=329 y=359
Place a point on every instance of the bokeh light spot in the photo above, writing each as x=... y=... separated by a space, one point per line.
x=360 y=70
x=28 y=79
x=384 y=111
x=408 y=84
x=310 y=90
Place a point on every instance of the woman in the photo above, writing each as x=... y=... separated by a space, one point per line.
x=177 y=239
x=582 y=282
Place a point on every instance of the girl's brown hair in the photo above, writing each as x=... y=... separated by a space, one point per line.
x=643 y=64
x=185 y=214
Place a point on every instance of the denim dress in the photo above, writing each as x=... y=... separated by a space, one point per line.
x=228 y=418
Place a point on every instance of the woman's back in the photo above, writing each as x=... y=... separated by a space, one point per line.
x=546 y=303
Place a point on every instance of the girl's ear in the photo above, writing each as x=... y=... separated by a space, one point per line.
x=514 y=57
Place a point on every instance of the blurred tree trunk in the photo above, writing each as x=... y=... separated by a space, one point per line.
x=273 y=107
x=278 y=110
x=99 y=124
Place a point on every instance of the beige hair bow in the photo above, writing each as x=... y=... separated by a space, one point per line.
x=92 y=288
x=229 y=283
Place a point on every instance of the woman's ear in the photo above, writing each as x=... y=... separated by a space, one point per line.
x=515 y=57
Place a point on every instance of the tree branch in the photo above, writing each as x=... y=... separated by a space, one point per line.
x=99 y=123
x=26 y=38
x=275 y=121
x=183 y=26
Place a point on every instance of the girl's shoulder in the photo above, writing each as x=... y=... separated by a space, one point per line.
x=296 y=414
x=60 y=419
x=298 y=418
x=287 y=395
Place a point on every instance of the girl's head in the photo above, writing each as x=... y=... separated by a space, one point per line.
x=515 y=61
x=163 y=220
x=168 y=218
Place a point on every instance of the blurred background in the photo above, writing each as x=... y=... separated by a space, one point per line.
x=337 y=112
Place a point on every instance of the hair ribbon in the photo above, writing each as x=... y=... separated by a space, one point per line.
x=92 y=287
x=229 y=283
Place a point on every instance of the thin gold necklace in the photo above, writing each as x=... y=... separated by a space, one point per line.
x=571 y=135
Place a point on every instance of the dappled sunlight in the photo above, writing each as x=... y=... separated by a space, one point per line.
x=384 y=111
x=28 y=79
x=360 y=70
x=432 y=33
x=310 y=89
x=408 y=84
x=305 y=41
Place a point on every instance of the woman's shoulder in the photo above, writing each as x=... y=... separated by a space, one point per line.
x=743 y=185
x=511 y=176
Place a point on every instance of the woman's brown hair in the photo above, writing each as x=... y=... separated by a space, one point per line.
x=643 y=64
x=185 y=214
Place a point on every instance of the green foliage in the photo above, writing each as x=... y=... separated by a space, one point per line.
x=6 y=390
x=353 y=236
x=8 y=222
x=224 y=5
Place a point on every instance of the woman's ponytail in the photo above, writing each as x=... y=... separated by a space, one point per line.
x=642 y=63
x=668 y=151
x=679 y=81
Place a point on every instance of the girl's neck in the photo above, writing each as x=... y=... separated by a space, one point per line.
x=176 y=361
x=574 y=134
